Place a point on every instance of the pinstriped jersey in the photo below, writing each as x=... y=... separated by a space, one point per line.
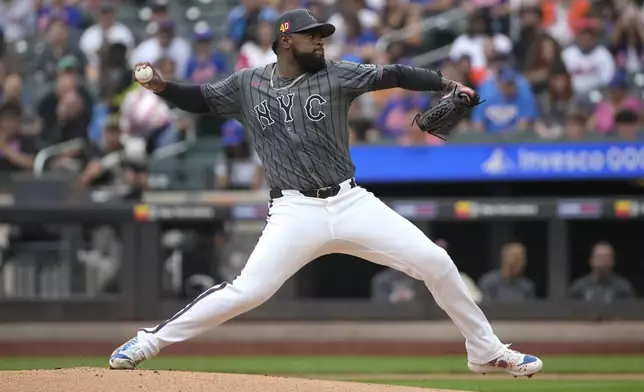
x=300 y=132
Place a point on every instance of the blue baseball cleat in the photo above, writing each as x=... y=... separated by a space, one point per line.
x=127 y=356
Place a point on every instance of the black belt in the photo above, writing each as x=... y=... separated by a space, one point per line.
x=320 y=193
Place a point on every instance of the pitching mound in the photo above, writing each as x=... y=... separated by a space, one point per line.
x=104 y=380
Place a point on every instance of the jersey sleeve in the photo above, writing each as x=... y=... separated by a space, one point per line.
x=356 y=78
x=224 y=97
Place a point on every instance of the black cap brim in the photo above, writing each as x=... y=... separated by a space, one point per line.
x=325 y=29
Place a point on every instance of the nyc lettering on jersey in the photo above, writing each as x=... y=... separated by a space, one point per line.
x=313 y=109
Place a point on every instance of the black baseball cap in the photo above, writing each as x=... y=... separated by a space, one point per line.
x=299 y=21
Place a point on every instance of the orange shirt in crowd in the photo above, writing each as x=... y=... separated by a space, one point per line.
x=578 y=10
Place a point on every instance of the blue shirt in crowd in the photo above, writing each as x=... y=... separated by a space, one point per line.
x=500 y=113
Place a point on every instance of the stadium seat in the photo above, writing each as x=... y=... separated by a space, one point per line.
x=190 y=170
x=207 y=144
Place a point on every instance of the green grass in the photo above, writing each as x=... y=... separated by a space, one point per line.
x=371 y=367
x=523 y=385
x=335 y=365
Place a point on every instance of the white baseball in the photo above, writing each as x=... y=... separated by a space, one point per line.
x=143 y=74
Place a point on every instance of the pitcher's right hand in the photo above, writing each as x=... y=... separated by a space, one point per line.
x=156 y=84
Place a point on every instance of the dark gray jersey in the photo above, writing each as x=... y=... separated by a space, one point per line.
x=300 y=133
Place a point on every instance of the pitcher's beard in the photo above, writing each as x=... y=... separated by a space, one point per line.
x=309 y=62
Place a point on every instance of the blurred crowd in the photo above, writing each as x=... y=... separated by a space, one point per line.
x=550 y=69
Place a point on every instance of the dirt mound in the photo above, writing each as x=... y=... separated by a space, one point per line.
x=104 y=380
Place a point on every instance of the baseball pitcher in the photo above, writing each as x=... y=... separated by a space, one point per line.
x=295 y=115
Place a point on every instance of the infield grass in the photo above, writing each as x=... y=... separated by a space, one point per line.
x=288 y=365
x=447 y=372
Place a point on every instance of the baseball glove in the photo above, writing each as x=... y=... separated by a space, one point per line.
x=453 y=106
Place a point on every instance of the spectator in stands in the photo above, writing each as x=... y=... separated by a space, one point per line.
x=562 y=17
x=239 y=168
x=49 y=10
x=105 y=32
x=607 y=12
x=336 y=45
x=554 y=103
x=13 y=92
x=544 y=53
x=243 y=20
x=72 y=123
x=207 y=64
x=602 y=284
x=50 y=108
x=9 y=59
x=415 y=41
x=497 y=10
x=100 y=113
x=71 y=115
x=396 y=117
x=147 y=116
x=495 y=61
x=627 y=41
x=107 y=165
x=590 y=64
x=508 y=283
x=17 y=151
x=510 y=104
x=359 y=41
x=473 y=43
x=531 y=17
x=575 y=127
x=17 y=19
x=258 y=52
x=167 y=68
x=616 y=100
x=159 y=10
x=11 y=88
x=57 y=47
x=628 y=126
x=164 y=44
x=393 y=16
x=183 y=121
x=116 y=75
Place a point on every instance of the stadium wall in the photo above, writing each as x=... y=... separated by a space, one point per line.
x=327 y=338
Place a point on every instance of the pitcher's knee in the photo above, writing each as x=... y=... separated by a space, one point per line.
x=436 y=261
x=252 y=295
x=259 y=295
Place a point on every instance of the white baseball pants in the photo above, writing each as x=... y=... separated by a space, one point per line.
x=301 y=229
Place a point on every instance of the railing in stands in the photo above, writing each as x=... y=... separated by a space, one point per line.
x=46 y=153
x=432 y=57
x=434 y=22
x=176 y=148
x=43 y=155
